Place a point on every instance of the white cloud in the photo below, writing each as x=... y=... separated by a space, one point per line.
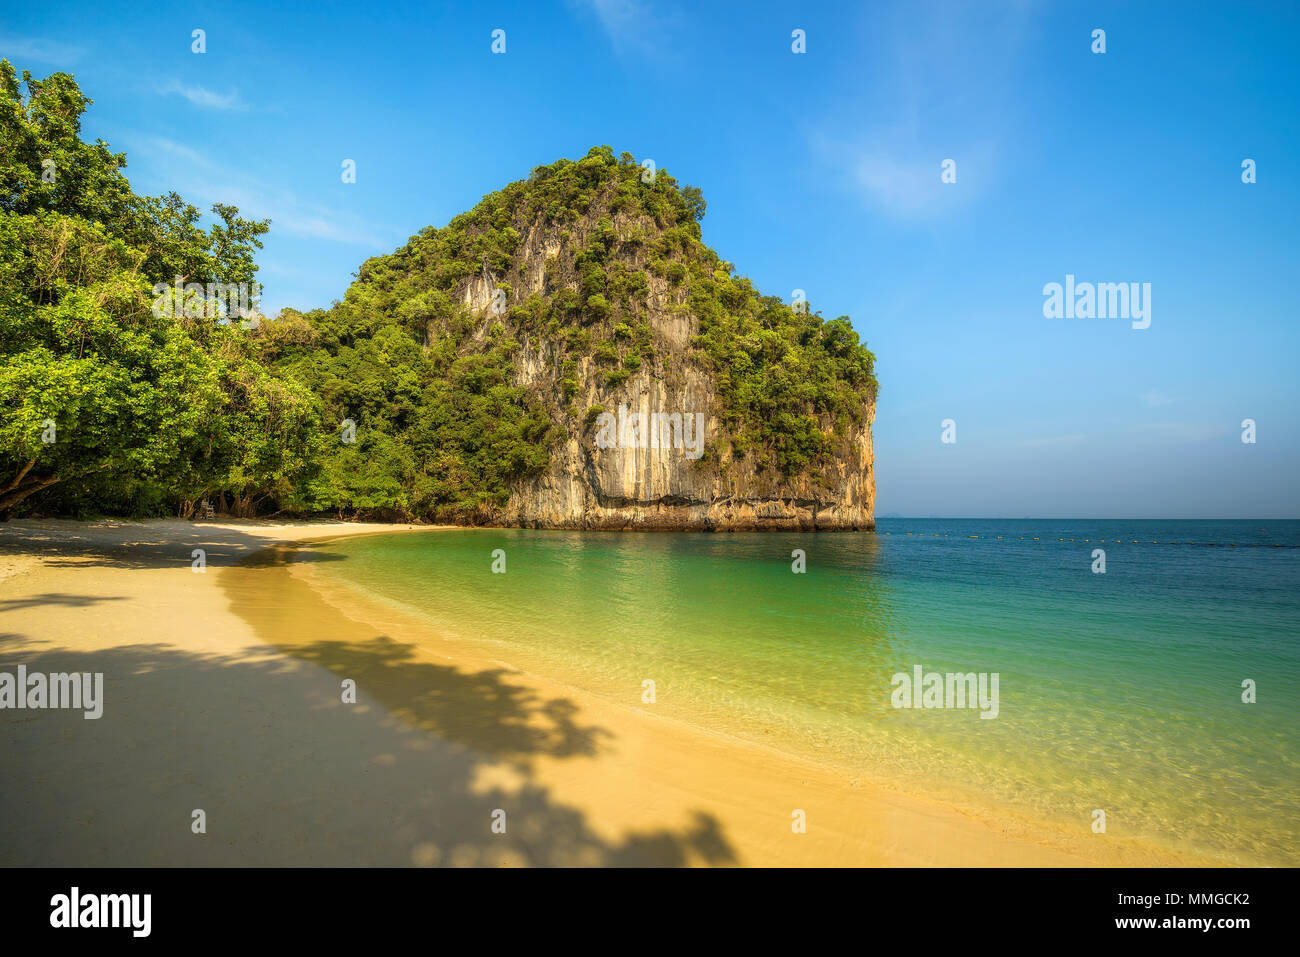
x=899 y=186
x=631 y=25
x=292 y=216
x=322 y=227
x=205 y=98
x=17 y=49
x=201 y=180
x=940 y=85
x=1155 y=398
x=906 y=184
x=186 y=153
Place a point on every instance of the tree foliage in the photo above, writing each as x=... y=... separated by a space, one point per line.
x=104 y=401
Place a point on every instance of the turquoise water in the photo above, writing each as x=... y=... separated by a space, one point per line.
x=1120 y=691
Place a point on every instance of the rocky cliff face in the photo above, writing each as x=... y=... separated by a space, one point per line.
x=659 y=489
x=644 y=473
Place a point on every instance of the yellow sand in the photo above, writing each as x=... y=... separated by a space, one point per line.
x=223 y=693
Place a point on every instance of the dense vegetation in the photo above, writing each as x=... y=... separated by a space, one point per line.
x=106 y=405
x=577 y=266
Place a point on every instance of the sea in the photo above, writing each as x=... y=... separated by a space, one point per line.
x=1146 y=669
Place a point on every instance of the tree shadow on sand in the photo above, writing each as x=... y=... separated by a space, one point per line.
x=478 y=709
x=289 y=775
x=50 y=598
x=166 y=543
x=415 y=772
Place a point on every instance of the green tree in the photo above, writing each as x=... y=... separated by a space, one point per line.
x=98 y=383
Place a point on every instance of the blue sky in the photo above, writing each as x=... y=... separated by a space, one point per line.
x=822 y=173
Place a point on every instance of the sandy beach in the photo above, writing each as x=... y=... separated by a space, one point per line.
x=223 y=692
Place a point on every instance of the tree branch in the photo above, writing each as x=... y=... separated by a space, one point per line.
x=22 y=473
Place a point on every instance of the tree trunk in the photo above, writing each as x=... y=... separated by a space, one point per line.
x=14 y=493
x=18 y=479
x=14 y=496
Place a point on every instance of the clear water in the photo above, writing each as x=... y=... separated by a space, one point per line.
x=1120 y=691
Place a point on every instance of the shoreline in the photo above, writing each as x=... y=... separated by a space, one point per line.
x=848 y=792
x=443 y=739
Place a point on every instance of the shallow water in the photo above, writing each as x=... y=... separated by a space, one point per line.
x=1119 y=691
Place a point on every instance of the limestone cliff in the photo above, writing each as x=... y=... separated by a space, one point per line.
x=587 y=486
x=678 y=397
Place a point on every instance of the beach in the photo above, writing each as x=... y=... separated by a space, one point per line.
x=226 y=692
